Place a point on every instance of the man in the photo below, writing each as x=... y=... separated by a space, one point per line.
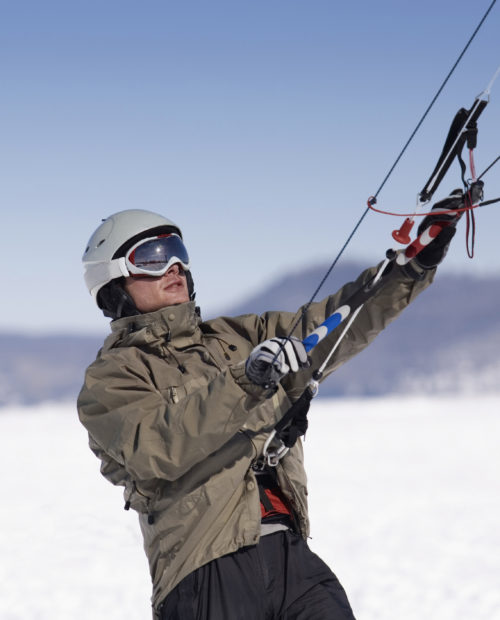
x=179 y=410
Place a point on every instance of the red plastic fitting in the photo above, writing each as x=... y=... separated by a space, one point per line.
x=403 y=234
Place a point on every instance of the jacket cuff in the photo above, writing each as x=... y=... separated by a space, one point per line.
x=415 y=271
x=256 y=391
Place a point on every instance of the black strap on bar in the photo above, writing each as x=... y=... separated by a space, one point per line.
x=461 y=131
x=294 y=423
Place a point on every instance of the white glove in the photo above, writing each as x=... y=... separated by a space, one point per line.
x=272 y=359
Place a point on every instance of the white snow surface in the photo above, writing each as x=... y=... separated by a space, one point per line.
x=404 y=501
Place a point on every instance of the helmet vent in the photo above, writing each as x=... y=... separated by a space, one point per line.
x=100 y=243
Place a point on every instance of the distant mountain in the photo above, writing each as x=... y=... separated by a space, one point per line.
x=448 y=340
x=43 y=368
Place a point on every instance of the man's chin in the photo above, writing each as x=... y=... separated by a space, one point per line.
x=176 y=300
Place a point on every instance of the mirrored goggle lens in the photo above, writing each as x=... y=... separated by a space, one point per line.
x=157 y=254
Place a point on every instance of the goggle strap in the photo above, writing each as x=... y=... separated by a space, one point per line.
x=102 y=272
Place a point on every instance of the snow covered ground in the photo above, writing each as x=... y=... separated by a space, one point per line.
x=405 y=506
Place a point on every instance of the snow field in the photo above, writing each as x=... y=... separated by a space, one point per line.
x=410 y=521
x=404 y=501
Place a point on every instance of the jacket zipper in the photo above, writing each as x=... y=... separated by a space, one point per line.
x=173 y=394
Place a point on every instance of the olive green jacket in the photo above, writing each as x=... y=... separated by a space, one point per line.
x=173 y=418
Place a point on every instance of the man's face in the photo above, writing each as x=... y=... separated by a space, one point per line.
x=150 y=294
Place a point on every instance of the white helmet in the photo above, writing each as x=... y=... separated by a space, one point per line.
x=103 y=259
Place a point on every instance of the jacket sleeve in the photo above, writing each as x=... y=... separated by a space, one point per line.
x=396 y=293
x=133 y=423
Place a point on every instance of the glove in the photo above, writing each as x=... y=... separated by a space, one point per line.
x=272 y=359
x=435 y=251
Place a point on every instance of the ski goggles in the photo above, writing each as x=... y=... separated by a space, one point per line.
x=155 y=255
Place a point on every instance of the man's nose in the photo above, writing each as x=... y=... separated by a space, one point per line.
x=174 y=269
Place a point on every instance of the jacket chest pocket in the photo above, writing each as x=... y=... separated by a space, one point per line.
x=175 y=393
x=227 y=350
x=176 y=378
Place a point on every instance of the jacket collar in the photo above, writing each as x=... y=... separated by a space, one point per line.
x=179 y=323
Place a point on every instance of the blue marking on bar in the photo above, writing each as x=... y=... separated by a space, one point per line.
x=330 y=323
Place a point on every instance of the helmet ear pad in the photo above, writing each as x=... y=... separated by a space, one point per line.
x=115 y=302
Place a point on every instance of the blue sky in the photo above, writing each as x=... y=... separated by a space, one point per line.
x=259 y=127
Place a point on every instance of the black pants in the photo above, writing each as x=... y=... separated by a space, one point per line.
x=278 y=579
